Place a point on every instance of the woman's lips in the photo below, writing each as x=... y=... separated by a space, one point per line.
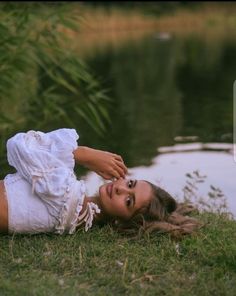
x=109 y=189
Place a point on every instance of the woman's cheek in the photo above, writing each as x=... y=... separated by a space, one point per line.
x=120 y=210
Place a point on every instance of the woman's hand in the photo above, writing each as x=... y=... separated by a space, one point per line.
x=106 y=164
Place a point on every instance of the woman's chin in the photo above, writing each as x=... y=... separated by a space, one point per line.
x=101 y=191
x=103 y=198
x=102 y=194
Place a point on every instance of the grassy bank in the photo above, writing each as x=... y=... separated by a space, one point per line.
x=99 y=19
x=102 y=262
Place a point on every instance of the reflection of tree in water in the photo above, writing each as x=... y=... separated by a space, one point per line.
x=147 y=111
x=165 y=89
x=205 y=78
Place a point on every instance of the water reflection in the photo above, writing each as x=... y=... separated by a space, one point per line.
x=161 y=90
x=176 y=90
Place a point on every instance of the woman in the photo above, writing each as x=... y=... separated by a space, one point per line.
x=44 y=194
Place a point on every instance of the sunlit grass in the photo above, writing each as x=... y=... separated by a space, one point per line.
x=101 y=262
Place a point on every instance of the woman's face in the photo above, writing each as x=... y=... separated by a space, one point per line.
x=123 y=198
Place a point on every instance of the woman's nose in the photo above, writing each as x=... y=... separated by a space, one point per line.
x=122 y=189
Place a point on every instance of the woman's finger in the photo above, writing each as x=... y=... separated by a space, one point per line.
x=122 y=166
x=118 y=157
x=115 y=173
x=105 y=176
x=119 y=170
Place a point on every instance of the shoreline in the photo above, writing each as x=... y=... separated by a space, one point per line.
x=99 y=28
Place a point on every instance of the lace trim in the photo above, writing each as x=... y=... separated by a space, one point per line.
x=92 y=210
x=81 y=218
x=70 y=222
x=70 y=211
x=86 y=217
x=73 y=222
x=60 y=227
x=69 y=218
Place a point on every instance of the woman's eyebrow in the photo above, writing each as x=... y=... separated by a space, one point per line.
x=134 y=197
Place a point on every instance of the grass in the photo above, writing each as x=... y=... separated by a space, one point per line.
x=102 y=262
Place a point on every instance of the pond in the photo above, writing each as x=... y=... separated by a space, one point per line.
x=172 y=110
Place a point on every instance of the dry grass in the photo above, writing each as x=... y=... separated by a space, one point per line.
x=99 y=20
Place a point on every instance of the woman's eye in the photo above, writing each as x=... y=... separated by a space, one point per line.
x=130 y=183
x=128 y=201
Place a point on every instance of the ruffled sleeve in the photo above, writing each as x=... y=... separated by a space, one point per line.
x=45 y=160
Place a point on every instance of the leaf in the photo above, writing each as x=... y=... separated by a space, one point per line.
x=188 y=175
x=88 y=120
x=104 y=113
x=71 y=24
x=211 y=195
x=213 y=188
x=96 y=115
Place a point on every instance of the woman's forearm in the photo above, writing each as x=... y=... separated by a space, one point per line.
x=82 y=154
x=106 y=164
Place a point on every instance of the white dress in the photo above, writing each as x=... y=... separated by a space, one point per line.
x=44 y=194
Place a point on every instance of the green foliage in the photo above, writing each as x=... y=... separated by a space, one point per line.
x=42 y=82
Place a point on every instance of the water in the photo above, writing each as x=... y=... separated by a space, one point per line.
x=169 y=170
x=173 y=92
x=167 y=92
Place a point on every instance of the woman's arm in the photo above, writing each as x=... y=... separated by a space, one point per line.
x=33 y=153
x=106 y=164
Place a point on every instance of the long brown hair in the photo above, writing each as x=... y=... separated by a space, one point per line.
x=164 y=215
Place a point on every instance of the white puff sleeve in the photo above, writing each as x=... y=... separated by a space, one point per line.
x=45 y=160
